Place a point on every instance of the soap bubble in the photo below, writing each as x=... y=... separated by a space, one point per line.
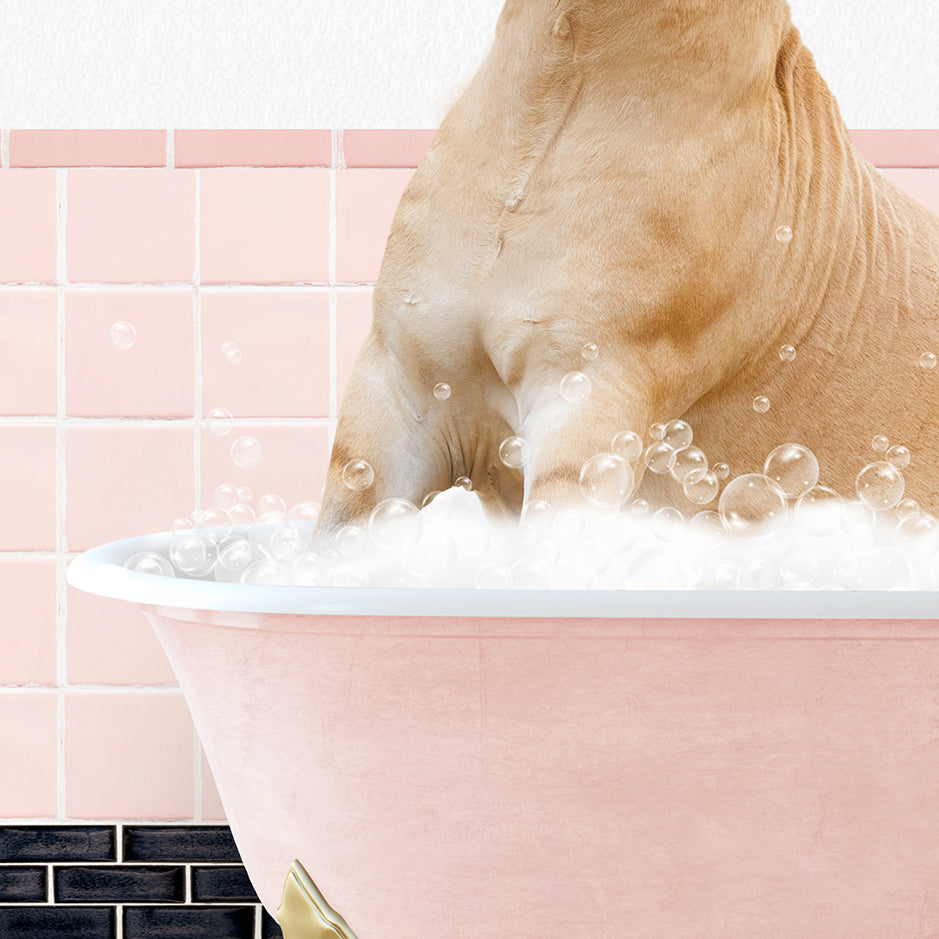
x=793 y=468
x=656 y=431
x=394 y=524
x=235 y=554
x=759 y=574
x=708 y=528
x=429 y=498
x=349 y=575
x=899 y=457
x=678 y=435
x=690 y=465
x=659 y=457
x=442 y=391
x=752 y=507
x=927 y=360
x=721 y=470
x=193 y=554
x=575 y=387
x=232 y=353
x=530 y=574
x=536 y=516
x=880 y=443
x=589 y=351
x=668 y=524
x=286 y=542
x=787 y=353
x=219 y=422
x=463 y=482
x=308 y=570
x=358 y=475
x=784 y=234
x=701 y=489
x=242 y=514
x=351 y=541
x=857 y=518
x=514 y=452
x=122 y=335
x=216 y=517
x=798 y=566
x=226 y=496
x=628 y=445
x=606 y=480
x=245 y=452
x=149 y=562
x=639 y=508
x=761 y=404
x=182 y=524
x=266 y=572
x=271 y=505
x=920 y=530
x=568 y=525
x=818 y=511
x=885 y=569
x=307 y=511
x=493 y=576
x=907 y=508
x=880 y=485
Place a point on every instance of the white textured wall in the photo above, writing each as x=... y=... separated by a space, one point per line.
x=366 y=63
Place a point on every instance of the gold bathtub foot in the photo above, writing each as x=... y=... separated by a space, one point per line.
x=304 y=913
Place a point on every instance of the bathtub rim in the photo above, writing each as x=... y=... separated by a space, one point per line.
x=99 y=571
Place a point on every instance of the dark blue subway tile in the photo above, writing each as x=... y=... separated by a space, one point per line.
x=46 y=922
x=117 y=884
x=179 y=843
x=221 y=883
x=23 y=884
x=57 y=843
x=188 y=922
x=270 y=928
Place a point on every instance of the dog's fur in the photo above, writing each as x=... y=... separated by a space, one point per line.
x=615 y=173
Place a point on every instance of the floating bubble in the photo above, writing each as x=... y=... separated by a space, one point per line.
x=245 y=452
x=628 y=445
x=308 y=570
x=920 y=530
x=232 y=353
x=245 y=494
x=514 y=452
x=880 y=486
x=721 y=470
x=271 y=505
x=752 y=507
x=879 y=444
x=668 y=524
x=463 y=482
x=798 y=566
x=226 y=496
x=678 y=435
x=818 y=511
x=690 y=465
x=149 y=562
x=575 y=387
x=242 y=514
x=536 y=517
x=122 y=335
x=394 y=524
x=656 y=431
x=568 y=525
x=286 y=542
x=857 y=518
x=793 y=468
x=761 y=404
x=787 y=353
x=219 y=422
x=639 y=507
x=182 y=524
x=442 y=391
x=429 y=498
x=784 y=234
x=927 y=360
x=193 y=554
x=707 y=527
x=659 y=457
x=907 y=508
x=701 y=489
x=899 y=457
x=307 y=511
x=351 y=541
x=216 y=517
x=589 y=351
x=266 y=572
x=235 y=554
x=606 y=480
x=358 y=475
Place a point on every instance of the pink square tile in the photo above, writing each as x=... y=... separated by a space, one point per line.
x=265 y=226
x=27 y=235
x=212 y=808
x=353 y=323
x=126 y=480
x=28 y=744
x=921 y=184
x=153 y=378
x=253 y=147
x=293 y=462
x=27 y=626
x=27 y=488
x=111 y=643
x=88 y=148
x=385 y=147
x=284 y=341
x=366 y=201
x=131 y=225
x=128 y=755
x=28 y=349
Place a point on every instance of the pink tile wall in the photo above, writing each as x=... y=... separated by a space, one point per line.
x=268 y=239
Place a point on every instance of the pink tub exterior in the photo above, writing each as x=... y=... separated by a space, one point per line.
x=459 y=778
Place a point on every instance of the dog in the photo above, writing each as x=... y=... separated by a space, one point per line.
x=670 y=181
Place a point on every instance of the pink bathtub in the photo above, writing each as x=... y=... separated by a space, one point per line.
x=568 y=764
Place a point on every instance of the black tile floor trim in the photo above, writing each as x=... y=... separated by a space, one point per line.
x=222 y=883
x=189 y=922
x=23 y=884
x=43 y=922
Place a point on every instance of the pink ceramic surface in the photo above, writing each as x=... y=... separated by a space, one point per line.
x=293 y=462
x=28 y=349
x=125 y=480
x=366 y=201
x=253 y=147
x=284 y=342
x=921 y=184
x=28 y=234
x=87 y=148
x=27 y=487
x=153 y=378
x=898 y=147
x=27 y=626
x=28 y=748
x=128 y=755
x=212 y=808
x=111 y=643
x=353 y=322
x=264 y=226
x=131 y=225
x=565 y=779
x=385 y=147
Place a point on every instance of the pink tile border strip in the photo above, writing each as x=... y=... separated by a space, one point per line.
x=253 y=148
x=385 y=148
x=889 y=148
x=30 y=148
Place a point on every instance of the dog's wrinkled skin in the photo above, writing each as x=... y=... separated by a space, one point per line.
x=615 y=173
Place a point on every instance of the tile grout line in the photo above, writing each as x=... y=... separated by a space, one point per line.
x=170 y=149
x=197 y=461
x=337 y=160
x=181 y=286
x=4 y=149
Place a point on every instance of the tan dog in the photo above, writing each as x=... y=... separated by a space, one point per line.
x=616 y=174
